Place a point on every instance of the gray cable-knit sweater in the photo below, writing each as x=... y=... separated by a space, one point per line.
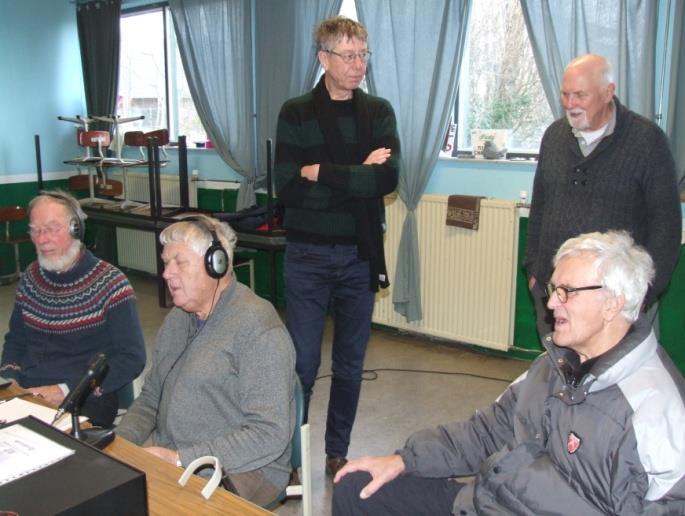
x=226 y=390
x=628 y=182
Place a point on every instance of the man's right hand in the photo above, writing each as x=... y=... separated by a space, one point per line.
x=378 y=156
x=531 y=282
x=381 y=469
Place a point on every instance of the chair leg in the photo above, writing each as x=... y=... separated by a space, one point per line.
x=252 y=285
x=305 y=446
x=16 y=261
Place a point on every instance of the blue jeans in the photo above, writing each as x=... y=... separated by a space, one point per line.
x=317 y=276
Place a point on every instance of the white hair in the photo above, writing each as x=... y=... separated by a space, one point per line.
x=623 y=267
x=196 y=232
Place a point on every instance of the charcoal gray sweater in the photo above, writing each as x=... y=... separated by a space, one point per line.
x=628 y=182
x=225 y=390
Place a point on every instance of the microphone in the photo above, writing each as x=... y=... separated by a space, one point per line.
x=95 y=372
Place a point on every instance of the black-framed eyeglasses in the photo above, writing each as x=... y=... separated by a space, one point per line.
x=350 y=57
x=563 y=292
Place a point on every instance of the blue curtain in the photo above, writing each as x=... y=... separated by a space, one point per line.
x=215 y=43
x=285 y=63
x=623 y=31
x=417 y=51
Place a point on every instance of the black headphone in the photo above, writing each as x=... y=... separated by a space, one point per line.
x=216 y=257
x=77 y=228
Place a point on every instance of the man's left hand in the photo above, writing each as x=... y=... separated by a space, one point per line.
x=51 y=393
x=167 y=455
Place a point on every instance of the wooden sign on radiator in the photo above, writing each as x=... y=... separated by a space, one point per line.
x=463 y=211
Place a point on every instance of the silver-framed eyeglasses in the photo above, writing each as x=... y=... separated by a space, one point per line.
x=49 y=230
x=350 y=57
x=563 y=292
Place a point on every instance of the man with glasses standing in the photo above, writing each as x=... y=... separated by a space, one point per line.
x=593 y=427
x=601 y=167
x=337 y=155
x=70 y=306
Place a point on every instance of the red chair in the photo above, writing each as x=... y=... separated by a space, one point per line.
x=10 y=215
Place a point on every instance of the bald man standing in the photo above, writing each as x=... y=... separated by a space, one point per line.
x=601 y=167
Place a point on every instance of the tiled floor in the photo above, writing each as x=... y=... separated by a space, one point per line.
x=393 y=403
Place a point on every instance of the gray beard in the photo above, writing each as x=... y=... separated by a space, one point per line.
x=64 y=262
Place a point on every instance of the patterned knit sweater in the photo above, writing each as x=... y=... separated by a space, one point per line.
x=61 y=320
x=345 y=204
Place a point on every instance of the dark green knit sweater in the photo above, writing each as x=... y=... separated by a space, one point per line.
x=322 y=211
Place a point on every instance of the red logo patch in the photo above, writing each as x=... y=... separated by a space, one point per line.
x=573 y=443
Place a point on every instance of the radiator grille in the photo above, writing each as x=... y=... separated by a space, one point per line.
x=136 y=249
x=468 y=278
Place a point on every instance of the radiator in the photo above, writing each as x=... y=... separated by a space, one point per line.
x=136 y=249
x=468 y=278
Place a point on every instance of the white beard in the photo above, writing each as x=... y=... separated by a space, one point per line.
x=581 y=124
x=61 y=263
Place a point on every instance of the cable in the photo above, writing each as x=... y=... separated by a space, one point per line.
x=370 y=375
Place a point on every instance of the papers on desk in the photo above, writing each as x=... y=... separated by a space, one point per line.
x=17 y=408
x=23 y=451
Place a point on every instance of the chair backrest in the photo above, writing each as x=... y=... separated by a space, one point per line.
x=296 y=442
x=10 y=214
x=94 y=139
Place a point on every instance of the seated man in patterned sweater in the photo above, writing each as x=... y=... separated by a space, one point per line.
x=69 y=306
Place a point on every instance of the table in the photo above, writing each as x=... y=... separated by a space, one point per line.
x=270 y=241
x=165 y=495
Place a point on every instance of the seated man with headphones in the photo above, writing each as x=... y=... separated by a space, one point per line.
x=223 y=373
x=70 y=306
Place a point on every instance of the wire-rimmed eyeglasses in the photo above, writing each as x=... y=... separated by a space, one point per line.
x=350 y=57
x=49 y=230
x=563 y=292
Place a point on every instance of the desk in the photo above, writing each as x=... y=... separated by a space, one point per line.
x=271 y=242
x=165 y=495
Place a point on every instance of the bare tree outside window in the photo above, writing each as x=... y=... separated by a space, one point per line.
x=500 y=87
x=145 y=78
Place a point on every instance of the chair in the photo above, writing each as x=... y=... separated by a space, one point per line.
x=300 y=458
x=244 y=261
x=8 y=215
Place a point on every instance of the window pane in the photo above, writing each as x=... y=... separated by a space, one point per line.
x=142 y=88
x=186 y=121
x=500 y=87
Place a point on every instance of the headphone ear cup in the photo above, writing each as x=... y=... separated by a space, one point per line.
x=76 y=228
x=216 y=261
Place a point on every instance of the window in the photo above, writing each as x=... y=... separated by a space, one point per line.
x=499 y=87
x=151 y=78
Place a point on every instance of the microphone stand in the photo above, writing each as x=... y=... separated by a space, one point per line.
x=97 y=437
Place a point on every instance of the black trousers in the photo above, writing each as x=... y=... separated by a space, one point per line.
x=406 y=495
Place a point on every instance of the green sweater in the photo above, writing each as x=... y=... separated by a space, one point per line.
x=321 y=211
x=345 y=204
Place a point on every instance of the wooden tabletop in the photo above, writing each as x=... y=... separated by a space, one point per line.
x=164 y=493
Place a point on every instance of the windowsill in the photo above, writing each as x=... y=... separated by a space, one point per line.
x=531 y=161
